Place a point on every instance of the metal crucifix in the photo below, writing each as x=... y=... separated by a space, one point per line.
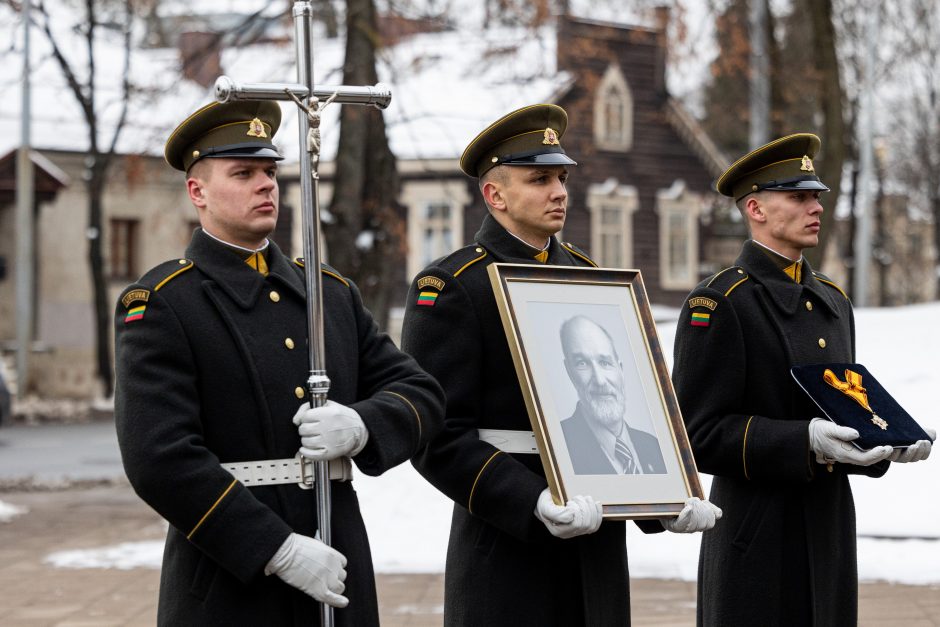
x=307 y=97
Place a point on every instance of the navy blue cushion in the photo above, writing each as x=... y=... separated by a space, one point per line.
x=842 y=409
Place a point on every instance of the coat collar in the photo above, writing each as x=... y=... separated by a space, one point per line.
x=503 y=246
x=783 y=291
x=242 y=283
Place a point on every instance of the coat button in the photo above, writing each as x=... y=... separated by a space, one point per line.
x=822 y=343
x=299 y=392
x=274 y=296
x=479 y=250
x=809 y=306
x=289 y=343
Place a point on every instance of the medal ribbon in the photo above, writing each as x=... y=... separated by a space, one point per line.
x=851 y=387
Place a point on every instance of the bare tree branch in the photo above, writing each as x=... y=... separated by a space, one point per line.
x=125 y=78
x=66 y=68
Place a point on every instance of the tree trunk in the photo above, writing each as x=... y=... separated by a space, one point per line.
x=325 y=13
x=849 y=247
x=935 y=212
x=96 y=181
x=882 y=249
x=829 y=167
x=365 y=240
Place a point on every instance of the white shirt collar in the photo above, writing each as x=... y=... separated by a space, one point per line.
x=779 y=254
x=231 y=245
x=543 y=248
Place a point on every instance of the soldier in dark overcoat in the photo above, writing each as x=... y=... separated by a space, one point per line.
x=784 y=553
x=513 y=558
x=211 y=367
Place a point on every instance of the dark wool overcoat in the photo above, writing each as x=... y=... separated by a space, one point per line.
x=214 y=371
x=783 y=553
x=503 y=566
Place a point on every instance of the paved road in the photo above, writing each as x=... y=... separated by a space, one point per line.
x=55 y=453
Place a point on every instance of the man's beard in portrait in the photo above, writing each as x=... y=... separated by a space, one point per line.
x=606 y=403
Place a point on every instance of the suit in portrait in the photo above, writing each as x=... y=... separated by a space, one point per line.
x=588 y=458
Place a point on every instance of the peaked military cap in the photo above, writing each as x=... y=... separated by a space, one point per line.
x=242 y=128
x=783 y=164
x=527 y=136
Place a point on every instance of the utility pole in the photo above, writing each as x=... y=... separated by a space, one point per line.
x=866 y=170
x=24 y=225
x=760 y=76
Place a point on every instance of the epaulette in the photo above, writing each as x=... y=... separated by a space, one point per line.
x=461 y=259
x=727 y=280
x=160 y=275
x=577 y=252
x=822 y=278
x=325 y=269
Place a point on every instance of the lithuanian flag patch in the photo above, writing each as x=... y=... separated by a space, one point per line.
x=427 y=299
x=135 y=314
x=700 y=319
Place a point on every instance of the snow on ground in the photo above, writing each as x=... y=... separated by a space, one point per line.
x=124 y=556
x=408 y=520
x=9 y=511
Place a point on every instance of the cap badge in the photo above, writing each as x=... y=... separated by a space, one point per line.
x=550 y=137
x=806 y=165
x=256 y=128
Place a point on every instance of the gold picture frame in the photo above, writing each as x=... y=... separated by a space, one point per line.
x=597 y=387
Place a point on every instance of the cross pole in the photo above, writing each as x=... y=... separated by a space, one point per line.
x=307 y=97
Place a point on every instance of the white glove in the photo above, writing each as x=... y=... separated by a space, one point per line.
x=833 y=443
x=330 y=431
x=581 y=515
x=311 y=567
x=916 y=452
x=697 y=515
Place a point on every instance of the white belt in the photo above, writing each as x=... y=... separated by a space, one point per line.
x=510 y=441
x=296 y=469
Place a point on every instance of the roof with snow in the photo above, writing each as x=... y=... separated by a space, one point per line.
x=446 y=86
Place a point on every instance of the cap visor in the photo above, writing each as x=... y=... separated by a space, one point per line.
x=798 y=185
x=256 y=152
x=548 y=158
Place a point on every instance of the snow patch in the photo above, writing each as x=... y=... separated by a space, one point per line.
x=124 y=556
x=8 y=511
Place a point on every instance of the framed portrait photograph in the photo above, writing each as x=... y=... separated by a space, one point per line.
x=597 y=388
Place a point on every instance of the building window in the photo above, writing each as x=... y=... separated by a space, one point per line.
x=438 y=231
x=611 y=206
x=435 y=220
x=611 y=234
x=122 y=262
x=613 y=112
x=679 y=211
